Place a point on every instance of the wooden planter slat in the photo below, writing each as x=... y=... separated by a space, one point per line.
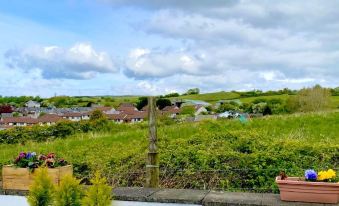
x=21 y=178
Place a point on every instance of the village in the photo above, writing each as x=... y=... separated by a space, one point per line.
x=34 y=114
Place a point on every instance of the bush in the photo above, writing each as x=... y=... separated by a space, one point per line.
x=99 y=194
x=69 y=192
x=41 y=191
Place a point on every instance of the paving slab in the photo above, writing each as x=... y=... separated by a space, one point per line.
x=274 y=199
x=215 y=198
x=186 y=196
x=133 y=193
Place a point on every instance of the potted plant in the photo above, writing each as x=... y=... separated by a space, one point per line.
x=322 y=187
x=20 y=174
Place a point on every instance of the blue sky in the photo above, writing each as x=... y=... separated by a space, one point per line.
x=118 y=47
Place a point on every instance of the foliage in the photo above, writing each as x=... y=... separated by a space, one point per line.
x=187 y=110
x=99 y=193
x=97 y=114
x=310 y=99
x=162 y=103
x=229 y=106
x=192 y=91
x=221 y=154
x=142 y=101
x=61 y=129
x=31 y=160
x=6 y=109
x=42 y=190
x=69 y=192
x=172 y=95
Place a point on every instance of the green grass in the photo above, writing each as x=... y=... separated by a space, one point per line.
x=223 y=154
x=211 y=97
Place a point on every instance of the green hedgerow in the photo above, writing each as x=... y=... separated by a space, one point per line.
x=69 y=192
x=98 y=194
x=42 y=189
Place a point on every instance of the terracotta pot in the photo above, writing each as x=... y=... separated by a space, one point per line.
x=298 y=190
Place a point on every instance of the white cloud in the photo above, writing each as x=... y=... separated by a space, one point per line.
x=78 y=62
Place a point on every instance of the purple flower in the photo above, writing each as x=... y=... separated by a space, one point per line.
x=22 y=155
x=29 y=155
x=310 y=175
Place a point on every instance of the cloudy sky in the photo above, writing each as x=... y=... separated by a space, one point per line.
x=120 y=47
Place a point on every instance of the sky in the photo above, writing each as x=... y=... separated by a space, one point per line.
x=151 y=47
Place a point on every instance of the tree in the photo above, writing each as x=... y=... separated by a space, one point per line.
x=142 y=101
x=97 y=114
x=162 y=103
x=69 y=192
x=172 y=95
x=5 y=109
x=42 y=189
x=99 y=193
x=310 y=99
x=192 y=91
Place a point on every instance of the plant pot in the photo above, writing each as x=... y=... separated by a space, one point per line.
x=14 y=178
x=298 y=190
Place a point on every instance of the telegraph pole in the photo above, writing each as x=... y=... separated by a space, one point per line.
x=152 y=166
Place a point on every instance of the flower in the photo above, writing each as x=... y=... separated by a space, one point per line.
x=22 y=155
x=29 y=155
x=310 y=175
x=326 y=175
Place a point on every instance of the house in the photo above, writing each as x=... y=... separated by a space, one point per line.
x=49 y=119
x=126 y=104
x=136 y=117
x=171 y=111
x=73 y=116
x=105 y=110
x=118 y=118
x=127 y=110
x=32 y=104
x=19 y=121
x=199 y=109
x=4 y=115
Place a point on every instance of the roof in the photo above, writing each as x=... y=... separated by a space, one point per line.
x=171 y=109
x=103 y=109
x=195 y=102
x=126 y=104
x=116 y=116
x=49 y=118
x=27 y=120
x=72 y=114
x=127 y=110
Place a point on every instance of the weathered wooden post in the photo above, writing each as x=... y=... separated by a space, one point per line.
x=152 y=166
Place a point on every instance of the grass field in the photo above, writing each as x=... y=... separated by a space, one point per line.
x=223 y=154
x=211 y=97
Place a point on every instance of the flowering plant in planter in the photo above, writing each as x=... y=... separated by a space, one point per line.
x=31 y=160
x=321 y=187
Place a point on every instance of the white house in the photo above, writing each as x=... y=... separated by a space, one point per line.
x=199 y=109
x=32 y=104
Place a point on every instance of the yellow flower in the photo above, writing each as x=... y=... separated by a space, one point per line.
x=325 y=175
x=331 y=173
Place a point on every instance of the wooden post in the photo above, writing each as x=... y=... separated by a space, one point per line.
x=152 y=166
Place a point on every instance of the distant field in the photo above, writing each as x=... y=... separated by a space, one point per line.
x=211 y=97
x=223 y=154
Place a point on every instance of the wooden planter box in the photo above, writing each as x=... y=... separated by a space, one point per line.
x=296 y=189
x=14 y=178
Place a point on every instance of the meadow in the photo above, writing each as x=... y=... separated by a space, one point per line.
x=220 y=154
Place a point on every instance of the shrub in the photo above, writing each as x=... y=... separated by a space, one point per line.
x=99 y=194
x=41 y=191
x=69 y=192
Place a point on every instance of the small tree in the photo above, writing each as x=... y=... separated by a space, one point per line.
x=97 y=114
x=69 y=192
x=5 y=109
x=41 y=191
x=99 y=193
x=162 y=103
x=142 y=101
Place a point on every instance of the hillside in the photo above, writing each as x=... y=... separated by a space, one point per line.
x=223 y=154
